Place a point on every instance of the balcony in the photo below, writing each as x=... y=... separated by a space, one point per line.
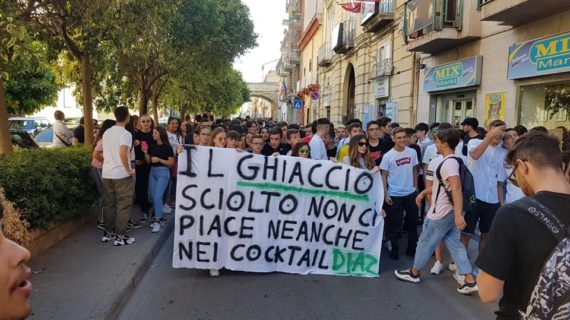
x=432 y=26
x=295 y=20
x=295 y=56
x=381 y=68
x=324 y=56
x=518 y=12
x=344 y=34
x=292 y=6
x=377 y=18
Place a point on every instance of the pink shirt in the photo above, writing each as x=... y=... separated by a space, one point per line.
x=98 y=148
x=444 y=205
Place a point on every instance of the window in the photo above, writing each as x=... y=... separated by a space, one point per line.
x=545 y=105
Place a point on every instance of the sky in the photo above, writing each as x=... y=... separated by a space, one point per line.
x=267 y=15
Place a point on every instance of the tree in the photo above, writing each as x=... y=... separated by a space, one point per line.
x=78 y=26
x=187 y=39
x=32 y=84
x=15 y=42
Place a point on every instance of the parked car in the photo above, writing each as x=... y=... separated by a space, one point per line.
x=32 y=125
x=22 y=139
x=45 y=138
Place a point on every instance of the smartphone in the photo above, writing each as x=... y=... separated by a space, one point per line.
x=144 y=146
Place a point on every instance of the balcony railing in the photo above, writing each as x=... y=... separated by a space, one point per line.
x=445 y=14
x=436 y=25
x=294 y=55
x=324 y=56
x=519 y=12
x=381 y=68
x=382 y=16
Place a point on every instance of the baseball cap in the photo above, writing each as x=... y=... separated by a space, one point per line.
x=470 y=122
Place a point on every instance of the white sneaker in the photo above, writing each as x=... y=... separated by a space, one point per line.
x=468 y=288
x=437 y=268
x=156 y=227
x=166 y=209
x=452 y=266
x=214 y=273
x=459 y=278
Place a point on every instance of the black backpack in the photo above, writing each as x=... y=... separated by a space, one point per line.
x=467 y=184
x=550 y=298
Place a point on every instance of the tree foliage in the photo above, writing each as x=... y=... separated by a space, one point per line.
x=129 y=52
x=31 y=84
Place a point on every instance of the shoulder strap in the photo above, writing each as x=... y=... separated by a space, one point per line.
x=440 y=180
x=62 y=140
x=545 y=216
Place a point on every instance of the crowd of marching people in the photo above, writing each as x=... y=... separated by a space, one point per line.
x=458 y=184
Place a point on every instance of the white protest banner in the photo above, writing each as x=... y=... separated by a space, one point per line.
x=263 y=214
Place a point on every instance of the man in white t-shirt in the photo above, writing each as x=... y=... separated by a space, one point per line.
x=317 y=145
x=444 y=220
x=399 y=169
x=117 y=179
x=486 y=163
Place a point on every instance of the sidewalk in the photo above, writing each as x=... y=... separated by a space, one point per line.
x=83 y=278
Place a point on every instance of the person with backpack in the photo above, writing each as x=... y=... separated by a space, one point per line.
x=528 y=264
x=444 y=220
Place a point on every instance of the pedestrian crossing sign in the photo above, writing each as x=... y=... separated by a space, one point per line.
x=297 y=104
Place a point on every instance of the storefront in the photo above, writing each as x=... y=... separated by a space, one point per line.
x=453 y=89
x=541 y=70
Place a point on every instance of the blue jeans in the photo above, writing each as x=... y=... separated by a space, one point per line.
x=157 y=184
x=434 y=231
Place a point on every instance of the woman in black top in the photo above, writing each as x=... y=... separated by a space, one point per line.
x=143 y=138
x=160 y=157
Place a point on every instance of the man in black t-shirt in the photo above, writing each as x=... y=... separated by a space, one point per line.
x=374 y=134
x=520 y=244
x=79 y=133
x=274 y=145
x=470 y=126
x=386 y=143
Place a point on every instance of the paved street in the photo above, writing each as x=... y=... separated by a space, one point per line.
x=167 y=293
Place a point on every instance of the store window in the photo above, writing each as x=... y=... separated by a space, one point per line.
x=545 y=105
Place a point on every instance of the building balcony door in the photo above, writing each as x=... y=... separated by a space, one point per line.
x=350 y=93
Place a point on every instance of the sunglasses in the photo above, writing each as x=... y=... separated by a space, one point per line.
x=362 y=144
x=304 y=151
x=145 y=121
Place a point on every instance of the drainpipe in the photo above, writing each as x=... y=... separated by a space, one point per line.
x=414 y=90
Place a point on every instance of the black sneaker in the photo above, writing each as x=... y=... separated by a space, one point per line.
x=124 y=240
x=163 y=221
x=133 y=225
x=468 y=288
x=107 y=237
x=407 y=275
x=144 y=219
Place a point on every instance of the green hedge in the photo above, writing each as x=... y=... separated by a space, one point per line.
x=49 y=185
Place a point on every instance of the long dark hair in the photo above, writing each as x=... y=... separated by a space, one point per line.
x=163 y=136
x=353 y=154
x=179 y=129
x=106 y=125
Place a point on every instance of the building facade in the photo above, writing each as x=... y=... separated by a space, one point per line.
x=288 y=65
x=492 y=59
x=364 y=69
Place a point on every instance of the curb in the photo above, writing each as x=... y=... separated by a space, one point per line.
x=122 y=297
